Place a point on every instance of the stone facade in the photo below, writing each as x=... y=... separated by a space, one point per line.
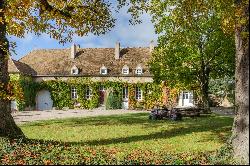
x=76 y=62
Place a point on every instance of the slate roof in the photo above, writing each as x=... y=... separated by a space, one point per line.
x=57 y=62
x=19 y=67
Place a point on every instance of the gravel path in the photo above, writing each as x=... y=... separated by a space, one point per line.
x=30 y=116
x=223 y=111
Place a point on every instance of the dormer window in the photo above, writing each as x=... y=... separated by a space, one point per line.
x=103 y=70
x=74 y=70
x=125 y=70
x=138 y=70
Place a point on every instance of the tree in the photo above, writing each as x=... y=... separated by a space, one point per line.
x=234 y=19
x=61 y=19
x=192 y=47
x=240 y=137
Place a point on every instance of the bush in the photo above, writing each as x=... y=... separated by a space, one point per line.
x=114 y=101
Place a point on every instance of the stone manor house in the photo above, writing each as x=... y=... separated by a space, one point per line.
x=127 y=65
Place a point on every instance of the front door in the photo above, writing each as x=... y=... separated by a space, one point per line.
x=102 y=95
x=125 y=98
x=187 y=99
x=43 y=100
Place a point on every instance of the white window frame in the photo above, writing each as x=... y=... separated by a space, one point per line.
x=74 y=93
x=103 y=68
x=185 y=95
x=138 y=71
x=138 y=93
x=74 y=70
x=125 y=69
x=88 y=93
x=125 y=92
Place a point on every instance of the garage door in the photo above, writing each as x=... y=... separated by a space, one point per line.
x=43 y=100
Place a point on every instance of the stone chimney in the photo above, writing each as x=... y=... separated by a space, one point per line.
x=117 y=50
x=73 y=51
x=151 y=46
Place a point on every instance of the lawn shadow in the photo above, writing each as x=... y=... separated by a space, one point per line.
x=212 y=123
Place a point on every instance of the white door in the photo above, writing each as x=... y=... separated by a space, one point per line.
x=187 y=99
x=125 y=98
x=43 y=100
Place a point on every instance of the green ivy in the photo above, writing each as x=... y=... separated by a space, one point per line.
x=61 y=93
x=25 y=90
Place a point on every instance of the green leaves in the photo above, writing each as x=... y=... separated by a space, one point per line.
x=60 y=19
x=192 y=47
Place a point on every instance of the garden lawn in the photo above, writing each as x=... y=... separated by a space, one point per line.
x=124 y=135
x=131 y=131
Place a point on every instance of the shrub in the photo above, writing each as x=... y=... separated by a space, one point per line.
x=114 y=101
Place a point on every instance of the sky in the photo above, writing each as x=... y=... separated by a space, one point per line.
x=128 y=35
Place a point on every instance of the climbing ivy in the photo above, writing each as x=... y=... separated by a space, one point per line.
x=23 y=90
x=61 y=93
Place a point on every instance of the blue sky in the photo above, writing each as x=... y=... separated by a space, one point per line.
x=129 y=36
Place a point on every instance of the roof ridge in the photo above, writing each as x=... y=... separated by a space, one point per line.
x=42 y=49
x=12 y=63
x=108 y=47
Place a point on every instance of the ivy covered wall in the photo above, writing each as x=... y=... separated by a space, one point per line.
x=23 y=90
x=61 y=92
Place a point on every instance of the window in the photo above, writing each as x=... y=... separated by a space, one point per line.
x=125 y=69
x=185 y=95
x=88 y=93
x=101 y=88
x=138 y=93
x=74 y=70
x=191 y=97
x=125 y=92
x=103 y=70
x=138 y=70
x=73 y=93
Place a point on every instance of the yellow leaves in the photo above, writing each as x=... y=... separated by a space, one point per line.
x=228 y=24
x=1 y=20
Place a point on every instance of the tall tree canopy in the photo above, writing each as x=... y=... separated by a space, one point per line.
x=175 y=17
x=192 y=47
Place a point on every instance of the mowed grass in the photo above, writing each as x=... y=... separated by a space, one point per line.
x=135 y=131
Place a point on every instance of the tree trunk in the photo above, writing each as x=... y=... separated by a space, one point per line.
x=240 y=137
x=204 y=85
x=8 y=128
